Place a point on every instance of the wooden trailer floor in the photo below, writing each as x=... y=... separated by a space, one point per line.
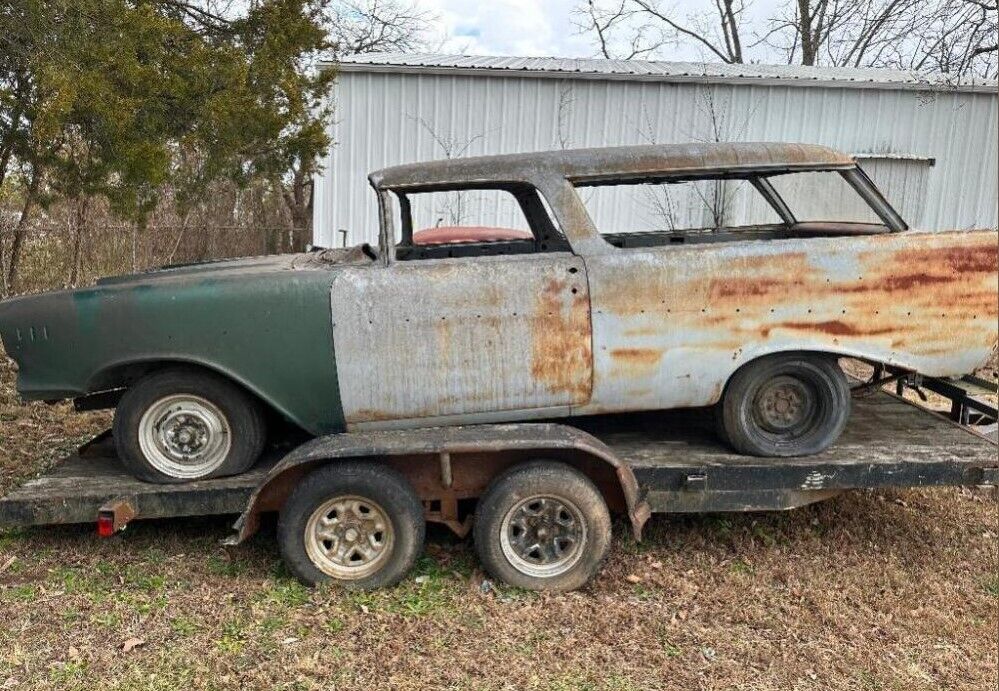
x=888 y=442
x=676 y=457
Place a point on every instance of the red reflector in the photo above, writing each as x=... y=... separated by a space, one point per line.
x=105 y=524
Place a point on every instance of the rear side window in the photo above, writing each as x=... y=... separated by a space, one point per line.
x=822 y=196
x=675 y=207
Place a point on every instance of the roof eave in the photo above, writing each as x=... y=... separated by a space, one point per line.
x=922 y=86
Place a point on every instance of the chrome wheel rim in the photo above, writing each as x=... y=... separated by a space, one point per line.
x=184 y=436
x=543 y=536
x=349 y=537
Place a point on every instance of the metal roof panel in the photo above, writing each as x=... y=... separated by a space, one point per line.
x=659 y=70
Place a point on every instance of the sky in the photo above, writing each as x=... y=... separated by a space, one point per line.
x=509 y=27
x=541 y=27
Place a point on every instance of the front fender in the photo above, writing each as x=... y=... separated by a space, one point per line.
x=270 y=331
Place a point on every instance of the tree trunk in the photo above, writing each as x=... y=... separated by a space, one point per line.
x=79 y=227
x=180 y=238
x=299 y=202
x=21 y=230
x=8 y=144
x=135 y=246
x=805 y=19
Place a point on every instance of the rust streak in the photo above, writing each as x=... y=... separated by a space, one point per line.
x=834 y=327
x=561 y=357
x=637 y=356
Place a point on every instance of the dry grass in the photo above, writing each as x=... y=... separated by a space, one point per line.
x=871 y=590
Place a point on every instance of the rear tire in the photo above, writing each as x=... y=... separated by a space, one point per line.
x=184 y=424
x=542 y=526
x=790 y=404
x=359 y=525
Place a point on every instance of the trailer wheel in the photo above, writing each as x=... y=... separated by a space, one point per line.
x=543 y=526
x=356 y=524
x=180 y=425
x=791 y=404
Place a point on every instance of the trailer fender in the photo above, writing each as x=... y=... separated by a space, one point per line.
x=463 y=458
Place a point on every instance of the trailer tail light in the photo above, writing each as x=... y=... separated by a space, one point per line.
x=105 y=524
x=114 y=516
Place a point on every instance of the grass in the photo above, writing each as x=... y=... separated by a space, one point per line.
x=870 y=590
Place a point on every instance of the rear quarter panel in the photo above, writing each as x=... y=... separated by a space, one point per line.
x=672 y=324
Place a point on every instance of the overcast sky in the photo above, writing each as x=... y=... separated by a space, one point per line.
x=540 y=27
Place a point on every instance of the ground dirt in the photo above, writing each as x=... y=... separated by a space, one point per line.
x=870 y=590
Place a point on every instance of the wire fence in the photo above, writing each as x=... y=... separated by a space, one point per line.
x=55 y=256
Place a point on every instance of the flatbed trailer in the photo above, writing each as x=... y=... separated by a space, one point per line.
x=675 y=459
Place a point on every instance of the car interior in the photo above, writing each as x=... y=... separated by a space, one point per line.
x=482 y=239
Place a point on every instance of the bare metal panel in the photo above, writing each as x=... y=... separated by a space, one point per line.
x=671 y=324
x=458 y=337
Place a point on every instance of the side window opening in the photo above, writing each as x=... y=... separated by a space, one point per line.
x=822 y=196
x=660 y=212
x=671 y=211
x=465 y=222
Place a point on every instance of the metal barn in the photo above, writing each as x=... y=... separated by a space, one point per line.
x=930 y=145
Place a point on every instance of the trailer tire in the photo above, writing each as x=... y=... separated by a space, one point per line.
x=356 y=524
x=224 y=421
x=789 y=404
x=527 y=505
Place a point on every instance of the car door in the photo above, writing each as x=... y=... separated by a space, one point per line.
x=468 y=339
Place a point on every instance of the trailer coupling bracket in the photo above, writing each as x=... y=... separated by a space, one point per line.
x=114 y=516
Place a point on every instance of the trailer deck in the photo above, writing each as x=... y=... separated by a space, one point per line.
x=679 y=463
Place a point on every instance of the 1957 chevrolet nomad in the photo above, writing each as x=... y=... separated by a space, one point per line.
x=569 y=320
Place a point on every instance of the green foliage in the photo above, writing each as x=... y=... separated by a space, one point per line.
x=125 y=99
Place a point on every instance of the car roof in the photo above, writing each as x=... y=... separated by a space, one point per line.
x=618 y=162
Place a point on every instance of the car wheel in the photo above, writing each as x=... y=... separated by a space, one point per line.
x=180 y=425
x=785 y=405
x=543 y=526
x=359 y=525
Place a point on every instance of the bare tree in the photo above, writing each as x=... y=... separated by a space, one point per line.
x=607 y=23
x=566 y=99
x=955 y=37
x=629 y=29
x=960 y=38
x=373 y=26
x=453 y=211
x=715 y=197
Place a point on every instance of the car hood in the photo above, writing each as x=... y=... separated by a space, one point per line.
x=223 y=266
x=317 y=259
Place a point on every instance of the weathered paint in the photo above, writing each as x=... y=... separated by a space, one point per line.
x=263 y=323
x=671 y=324
x=438 y=338
x=339 y=341
x=615 y=161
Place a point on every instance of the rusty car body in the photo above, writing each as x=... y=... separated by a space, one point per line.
x=567 y=323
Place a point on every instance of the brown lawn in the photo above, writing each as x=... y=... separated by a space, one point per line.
x=870 y=590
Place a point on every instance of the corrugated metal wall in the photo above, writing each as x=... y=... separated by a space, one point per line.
x=387 y=118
